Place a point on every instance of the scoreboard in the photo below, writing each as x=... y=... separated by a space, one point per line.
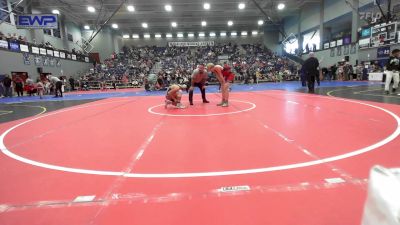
x=380 y=35
x=383 y=34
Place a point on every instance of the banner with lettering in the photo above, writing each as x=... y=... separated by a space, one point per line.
x=190 y=43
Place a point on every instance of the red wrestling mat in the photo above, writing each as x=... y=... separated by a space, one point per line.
x=123 y=90
x=272 y=157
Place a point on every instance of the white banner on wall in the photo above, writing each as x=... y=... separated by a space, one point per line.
x=191 y=43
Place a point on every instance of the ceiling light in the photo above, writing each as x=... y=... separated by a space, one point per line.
x=206 y=6
x=212 y=34
x=158 y=35
x=125 y=36
x=86 y=27
x=55 y=11
x=244 y=33
x=180 y=35
x=260 y=22
x=241 y=6
x=168 y=8
x=230 y=23
x=233 y=33
x=254 y=32
x=203 y=23
x=114 y=25
x=169 y=35
x=136 y=36
x=201 y=35
x=91 y=9
x=281 y=6
x=174 y=24
x=144 y=25
x=222 y=34
x=146 y=36
x=190 y=35
x=130 y=8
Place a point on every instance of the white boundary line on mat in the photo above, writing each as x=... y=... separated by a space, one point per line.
x=360 y=151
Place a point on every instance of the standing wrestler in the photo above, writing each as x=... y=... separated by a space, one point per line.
x=392 y=71
x=174 y=96
x=198 y=79
x=224 y=78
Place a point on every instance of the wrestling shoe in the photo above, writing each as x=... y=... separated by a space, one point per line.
x=180 y=106
x=220 y=104
x=205 y=101
x=386 y=92
x=191 y=103
x=167 y=102
x=226 y=104
x=394 y=90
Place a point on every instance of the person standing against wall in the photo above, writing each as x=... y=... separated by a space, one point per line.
x=72 y=83
x=19 y=86
x=7 y=82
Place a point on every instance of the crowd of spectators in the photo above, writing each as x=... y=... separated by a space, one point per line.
x=13 y=37
x=23 y=40
x=157 y=67
x=255 y=62
x=344 y=71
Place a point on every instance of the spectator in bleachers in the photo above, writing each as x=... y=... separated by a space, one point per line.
x=174 y=64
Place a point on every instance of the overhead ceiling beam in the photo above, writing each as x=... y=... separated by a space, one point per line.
x=11 y=11
x=105 y=23
x=268 y=18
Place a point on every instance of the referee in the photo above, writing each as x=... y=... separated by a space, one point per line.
x=198 y=79
x=311 y=70
x=57 y=84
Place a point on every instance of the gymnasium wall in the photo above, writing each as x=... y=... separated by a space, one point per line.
x=76 y=35
x=372 y=52
x=13 y=61
x=103 y=43
x=290 y=24
x=117 y=43
x=271 y=40
x=309 y=16
x=361 y=55
x=55 y=41
x=9 y=28
x=335 y=8
x=326 y=60
x=39 y=36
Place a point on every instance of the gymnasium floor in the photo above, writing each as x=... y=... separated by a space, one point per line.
x=276 y=156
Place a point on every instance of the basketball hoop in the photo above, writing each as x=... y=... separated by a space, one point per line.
x=290 y=39
x=85 y=46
